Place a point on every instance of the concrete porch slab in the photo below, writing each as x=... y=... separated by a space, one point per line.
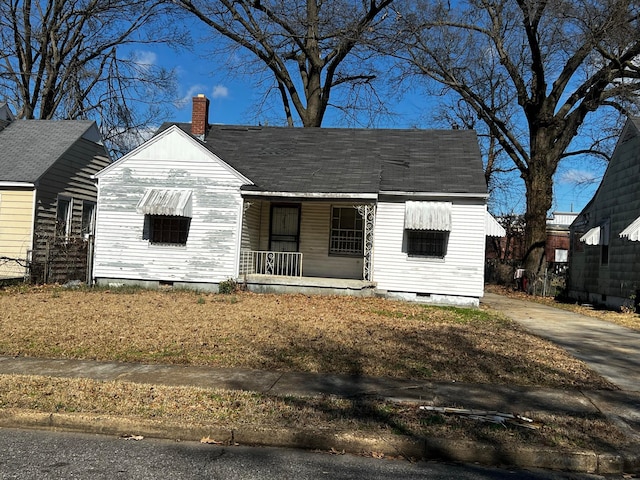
x=308 y=285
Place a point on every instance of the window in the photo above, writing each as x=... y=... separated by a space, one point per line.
x=347 y=234
x=88 y=217
x=577 y=244
x=604 y=255
x=561 y=255
x=605 y=232
x=63 y=217
x=427 y=243
x=166 y=229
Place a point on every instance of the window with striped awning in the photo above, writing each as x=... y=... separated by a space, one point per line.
x=170 y=202
x=427 y=216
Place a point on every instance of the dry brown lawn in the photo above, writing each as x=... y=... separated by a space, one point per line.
x=286 y=332
x=368 y=336
x=228 y=410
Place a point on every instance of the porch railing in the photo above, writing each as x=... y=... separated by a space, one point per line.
x=271 y=263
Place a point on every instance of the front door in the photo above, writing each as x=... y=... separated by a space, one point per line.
x=285 y=228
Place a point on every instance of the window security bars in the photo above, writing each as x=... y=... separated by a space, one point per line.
x=347 y=232
x=427 y=243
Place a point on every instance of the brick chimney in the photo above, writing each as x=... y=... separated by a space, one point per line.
x=200 y=116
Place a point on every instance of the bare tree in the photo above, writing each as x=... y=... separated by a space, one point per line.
x=499 y=171
x=562 y=60
x=83 y=59
x=308 y=47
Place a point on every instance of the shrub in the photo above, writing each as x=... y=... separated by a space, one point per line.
x=228 y=286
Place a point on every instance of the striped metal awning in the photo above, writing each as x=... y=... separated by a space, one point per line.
x=592 y=237
x=172 y=202
x=493 y=228
x=427 y=216
x=632 y=232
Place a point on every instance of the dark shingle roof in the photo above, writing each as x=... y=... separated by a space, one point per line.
x=334 y=160
x=28 y=148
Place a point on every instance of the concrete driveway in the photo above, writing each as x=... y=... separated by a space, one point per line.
x=609 y=349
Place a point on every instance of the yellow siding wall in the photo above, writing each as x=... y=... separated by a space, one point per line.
x=16 y=223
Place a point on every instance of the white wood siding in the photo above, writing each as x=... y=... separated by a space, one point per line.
x=172 y=161
x=460 y=273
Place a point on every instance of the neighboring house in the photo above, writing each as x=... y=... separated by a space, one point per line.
x=604 y=261
x=559 y=240
x=5 y=115
x=401 y=212
x=47 y=196
x=511 y=247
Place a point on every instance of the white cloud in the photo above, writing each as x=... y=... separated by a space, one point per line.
x=191 y=92
x=220 y=91
x=144 y=59
x=577 y=177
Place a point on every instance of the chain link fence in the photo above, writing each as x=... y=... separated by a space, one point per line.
x=550 y=283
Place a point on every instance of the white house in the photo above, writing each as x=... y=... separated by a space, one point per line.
x=396 y=212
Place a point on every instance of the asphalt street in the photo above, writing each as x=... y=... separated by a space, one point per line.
x=42 y=455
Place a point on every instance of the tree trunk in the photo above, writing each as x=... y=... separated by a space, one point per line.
x=539 y=184
x=313 y=114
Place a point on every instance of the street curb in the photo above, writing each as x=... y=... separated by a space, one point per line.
x=413 y=448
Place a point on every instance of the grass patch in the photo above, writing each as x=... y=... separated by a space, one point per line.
x=123 y=289
x=348 y=335
x=472 y=315
x=235 y=409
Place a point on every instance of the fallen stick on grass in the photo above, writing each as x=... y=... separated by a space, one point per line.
x=486 y=416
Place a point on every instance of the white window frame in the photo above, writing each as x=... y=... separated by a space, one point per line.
x=88 y=229
x=67 y=221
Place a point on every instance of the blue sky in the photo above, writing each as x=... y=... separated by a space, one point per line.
x=234 y=98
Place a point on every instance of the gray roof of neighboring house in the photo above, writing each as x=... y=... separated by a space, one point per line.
x=335 y=160
x=5 y=112
x=580 y=220
x=28 y=148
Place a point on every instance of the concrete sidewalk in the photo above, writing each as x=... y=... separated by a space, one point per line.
x=477 y=396
x=619 y=406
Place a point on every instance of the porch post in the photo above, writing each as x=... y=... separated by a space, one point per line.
x=368 y=213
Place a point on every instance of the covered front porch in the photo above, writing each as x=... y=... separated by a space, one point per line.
x=312 y=245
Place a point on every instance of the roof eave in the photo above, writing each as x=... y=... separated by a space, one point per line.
x=394 y=193
x=17 y=184
x=310 y=195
